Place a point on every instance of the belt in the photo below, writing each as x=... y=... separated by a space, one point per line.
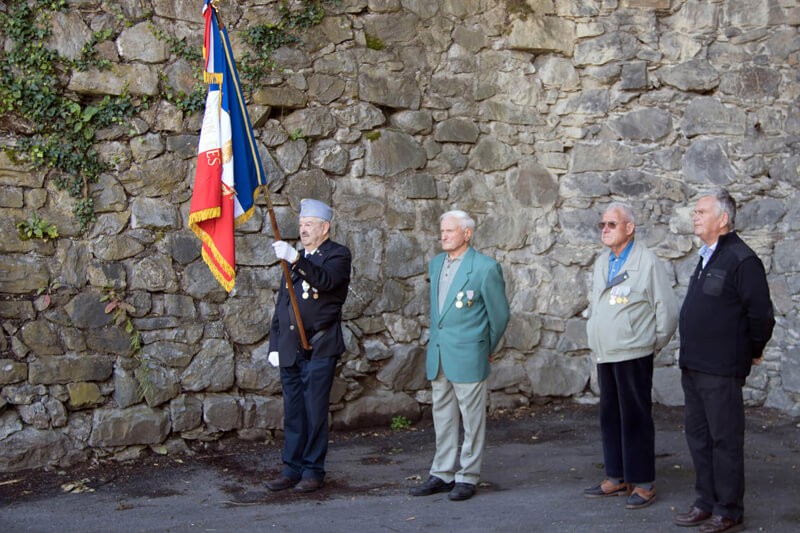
x=317 y=336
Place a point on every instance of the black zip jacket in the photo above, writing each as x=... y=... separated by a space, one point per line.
x=727 y=317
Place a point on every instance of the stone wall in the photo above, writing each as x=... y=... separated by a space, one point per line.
x=531 y=115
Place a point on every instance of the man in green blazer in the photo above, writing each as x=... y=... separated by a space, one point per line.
x=469 y=313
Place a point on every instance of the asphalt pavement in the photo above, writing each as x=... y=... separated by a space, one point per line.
x=537 y=463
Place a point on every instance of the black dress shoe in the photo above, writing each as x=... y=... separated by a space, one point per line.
x=281 y=483
x=308 y=484
x=718 y=524
x=694 y=517
x=431 y=486
x=462 y=491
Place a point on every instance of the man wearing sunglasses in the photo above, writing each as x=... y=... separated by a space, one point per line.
x=634 y=313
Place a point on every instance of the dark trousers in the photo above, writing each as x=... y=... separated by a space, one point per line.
x=714 y=420
x=306 y=398
x=626 y=419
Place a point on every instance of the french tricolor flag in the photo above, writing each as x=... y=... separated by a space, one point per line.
x=229 y=170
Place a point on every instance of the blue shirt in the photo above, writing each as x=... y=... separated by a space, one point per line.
x=706 y=252
x=615 y=263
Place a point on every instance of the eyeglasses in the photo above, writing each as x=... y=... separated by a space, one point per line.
x=611 y=225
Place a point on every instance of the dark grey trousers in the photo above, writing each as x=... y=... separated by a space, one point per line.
x=714 y=424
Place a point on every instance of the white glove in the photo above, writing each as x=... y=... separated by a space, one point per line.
x=285 y=251
x=273 y=358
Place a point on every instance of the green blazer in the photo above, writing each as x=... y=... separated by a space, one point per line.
x=463 y=336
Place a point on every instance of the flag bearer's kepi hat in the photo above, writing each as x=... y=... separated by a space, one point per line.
x=314 y=208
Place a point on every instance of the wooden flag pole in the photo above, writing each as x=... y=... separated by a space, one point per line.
x=286 y=273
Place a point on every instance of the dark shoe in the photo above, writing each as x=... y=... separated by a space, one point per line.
x=308 y=484
x=718 y=524
x=462 y=491
x=640 y=498
x=281 y=483
x=607 y=488
x=694 y=517
x=431 y=486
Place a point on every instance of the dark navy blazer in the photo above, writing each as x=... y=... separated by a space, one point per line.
x=327 y=272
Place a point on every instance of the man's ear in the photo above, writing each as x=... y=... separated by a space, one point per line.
x=725 y=220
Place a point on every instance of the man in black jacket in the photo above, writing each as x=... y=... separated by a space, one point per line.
x=320 y=280
x=725 y=322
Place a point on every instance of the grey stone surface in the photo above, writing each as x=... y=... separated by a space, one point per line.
x=127 y=390
x=186 y=412
x=263 y=413
x=705 y=115
x=376 y=408
x=667 y=389
x=706 y=163
x=554 y=374
x=256 y=374
x=212 y=369
x=33 y=448
x=543 y=34
x=67 y=368
x=139 y=43
x=405 y=370
x=12 y=371
x=458 y=130
x=644 y=125
x=695 y=75
x=221 y=412
x=124 y=427
x=392 y=153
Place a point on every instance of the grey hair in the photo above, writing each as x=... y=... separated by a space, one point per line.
x=725 y=204
x=626 y=209
x=464 y=220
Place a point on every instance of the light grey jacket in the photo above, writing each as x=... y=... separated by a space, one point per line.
x=644 y=312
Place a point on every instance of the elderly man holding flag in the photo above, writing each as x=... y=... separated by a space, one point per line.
x=305 y=335
x=319 y=281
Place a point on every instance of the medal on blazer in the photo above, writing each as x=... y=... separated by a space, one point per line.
x=314 y=293
x=459 y=296
x=470 y=295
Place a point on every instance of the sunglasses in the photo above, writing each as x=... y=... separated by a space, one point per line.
x=610 y=224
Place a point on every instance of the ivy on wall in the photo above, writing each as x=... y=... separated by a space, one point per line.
x=59 y=130
x=265 y=39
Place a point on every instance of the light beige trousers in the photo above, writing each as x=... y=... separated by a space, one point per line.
x=452 y=404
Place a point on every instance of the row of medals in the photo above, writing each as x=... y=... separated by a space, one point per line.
x=306 y=287
x=619 y=295
x=460 y=296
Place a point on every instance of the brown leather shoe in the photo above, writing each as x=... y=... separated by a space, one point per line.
x=640 y=498
x=281 y=483
x=607 y=488
x=308 y=484
x=694 y=517
x=718 y=524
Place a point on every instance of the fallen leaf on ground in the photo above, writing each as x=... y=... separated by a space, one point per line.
x=77 y=487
